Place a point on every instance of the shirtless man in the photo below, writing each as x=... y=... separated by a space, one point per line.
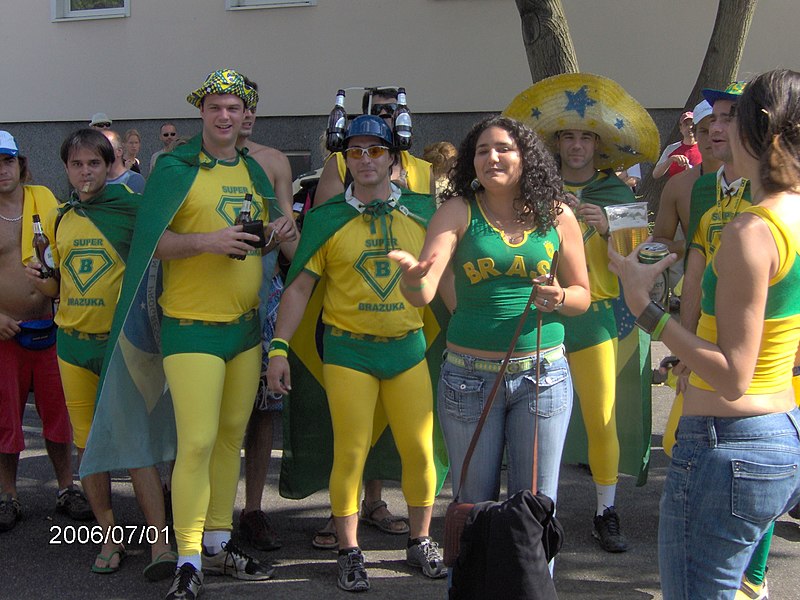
x=673 y=209
x=254 y=525
x=25 y=361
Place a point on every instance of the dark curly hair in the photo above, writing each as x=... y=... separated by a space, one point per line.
x=541 y=189
x=768 y=120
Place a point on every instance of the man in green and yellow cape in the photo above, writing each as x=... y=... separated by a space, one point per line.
x=373 y=349
x=209 y=355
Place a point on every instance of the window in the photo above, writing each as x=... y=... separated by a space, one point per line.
x=78 y=10
x=246 y=4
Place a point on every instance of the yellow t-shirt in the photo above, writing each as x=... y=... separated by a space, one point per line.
x=214 y=287
x=603 y=284
x=709 y=229
x=363 y=294
x=91 y=273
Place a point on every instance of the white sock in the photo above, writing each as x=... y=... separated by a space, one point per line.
x=213 y=540
x=605 y=497
x=192 y=559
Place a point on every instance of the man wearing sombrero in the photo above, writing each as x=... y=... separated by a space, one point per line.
x=593 y=126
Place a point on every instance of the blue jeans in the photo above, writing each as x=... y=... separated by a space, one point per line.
x=462 y=394
x=730 y=478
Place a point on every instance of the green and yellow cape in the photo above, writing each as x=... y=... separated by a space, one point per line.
x=307 y=432
x=134 y=422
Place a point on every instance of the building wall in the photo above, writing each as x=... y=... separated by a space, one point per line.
x=459 y=59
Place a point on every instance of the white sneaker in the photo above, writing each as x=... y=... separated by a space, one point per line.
x=427 y=557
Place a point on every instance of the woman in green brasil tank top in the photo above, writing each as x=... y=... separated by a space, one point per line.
x=502 y=219
x=736 y=463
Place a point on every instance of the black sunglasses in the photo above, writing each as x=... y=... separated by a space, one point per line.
x=378 y=109
x=169 y=134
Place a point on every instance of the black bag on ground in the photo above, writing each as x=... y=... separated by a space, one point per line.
x=499 y=557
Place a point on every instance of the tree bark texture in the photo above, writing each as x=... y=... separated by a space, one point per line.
x=548 y=44
x=720 y=67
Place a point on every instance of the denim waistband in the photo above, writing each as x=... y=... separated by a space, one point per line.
x=714 y=429
x=515 y=365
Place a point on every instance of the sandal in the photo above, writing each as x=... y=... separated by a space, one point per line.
x=385 y=524
x=108 y=569
x=325 y=539
x=162 y=567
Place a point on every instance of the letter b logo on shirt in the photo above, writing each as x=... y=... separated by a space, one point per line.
x=86 y=265
x=382 y=268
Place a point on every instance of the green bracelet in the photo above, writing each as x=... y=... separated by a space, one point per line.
x=413 y=288
x=659 y=328
x=278 y=344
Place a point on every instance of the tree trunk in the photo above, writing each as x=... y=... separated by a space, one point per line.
x=548 y=43
x=720 y=67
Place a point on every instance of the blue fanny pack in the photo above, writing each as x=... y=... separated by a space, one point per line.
x=39 y=334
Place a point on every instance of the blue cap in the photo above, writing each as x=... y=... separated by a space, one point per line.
x=732 y=92
x=8 y=145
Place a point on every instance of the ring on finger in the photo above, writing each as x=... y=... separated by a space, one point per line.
x=544 y=302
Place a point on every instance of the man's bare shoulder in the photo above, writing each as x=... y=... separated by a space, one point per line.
x=683 y=181
x=261 y=152
x=680 y=185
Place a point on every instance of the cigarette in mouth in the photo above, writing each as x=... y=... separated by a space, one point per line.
x=86 y=186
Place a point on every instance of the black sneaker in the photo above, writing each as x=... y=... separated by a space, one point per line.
x=352 y=574
x=232 y=561
x=187 y=584
x=10 y=512
x=72 y=502
x=256 y=529
x=606 y=531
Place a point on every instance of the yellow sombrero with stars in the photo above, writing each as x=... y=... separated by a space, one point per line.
x=589 y=102
x=224 y=81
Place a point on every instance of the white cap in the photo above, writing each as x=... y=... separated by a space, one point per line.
x=8 y=145
x=99 y=118
x=701 y=111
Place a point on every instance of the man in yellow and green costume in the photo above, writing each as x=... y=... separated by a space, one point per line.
x=374 y=343
x=209 y=334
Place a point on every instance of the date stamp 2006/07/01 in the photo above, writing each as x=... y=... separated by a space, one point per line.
x=118 y=534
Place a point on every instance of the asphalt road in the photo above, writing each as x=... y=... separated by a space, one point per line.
x=35 y=567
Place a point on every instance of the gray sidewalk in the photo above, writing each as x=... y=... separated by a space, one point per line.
x=34 y=567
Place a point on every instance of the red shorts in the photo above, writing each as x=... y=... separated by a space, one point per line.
x=21 y=369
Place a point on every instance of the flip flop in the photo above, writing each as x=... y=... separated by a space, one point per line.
x=384 y=524
x=324 y=539
x=108 y=569
x=162 y=567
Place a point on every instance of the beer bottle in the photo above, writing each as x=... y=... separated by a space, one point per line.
x=41 y=247
x=242 y=218
x=402 y=122
x=334 y=138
